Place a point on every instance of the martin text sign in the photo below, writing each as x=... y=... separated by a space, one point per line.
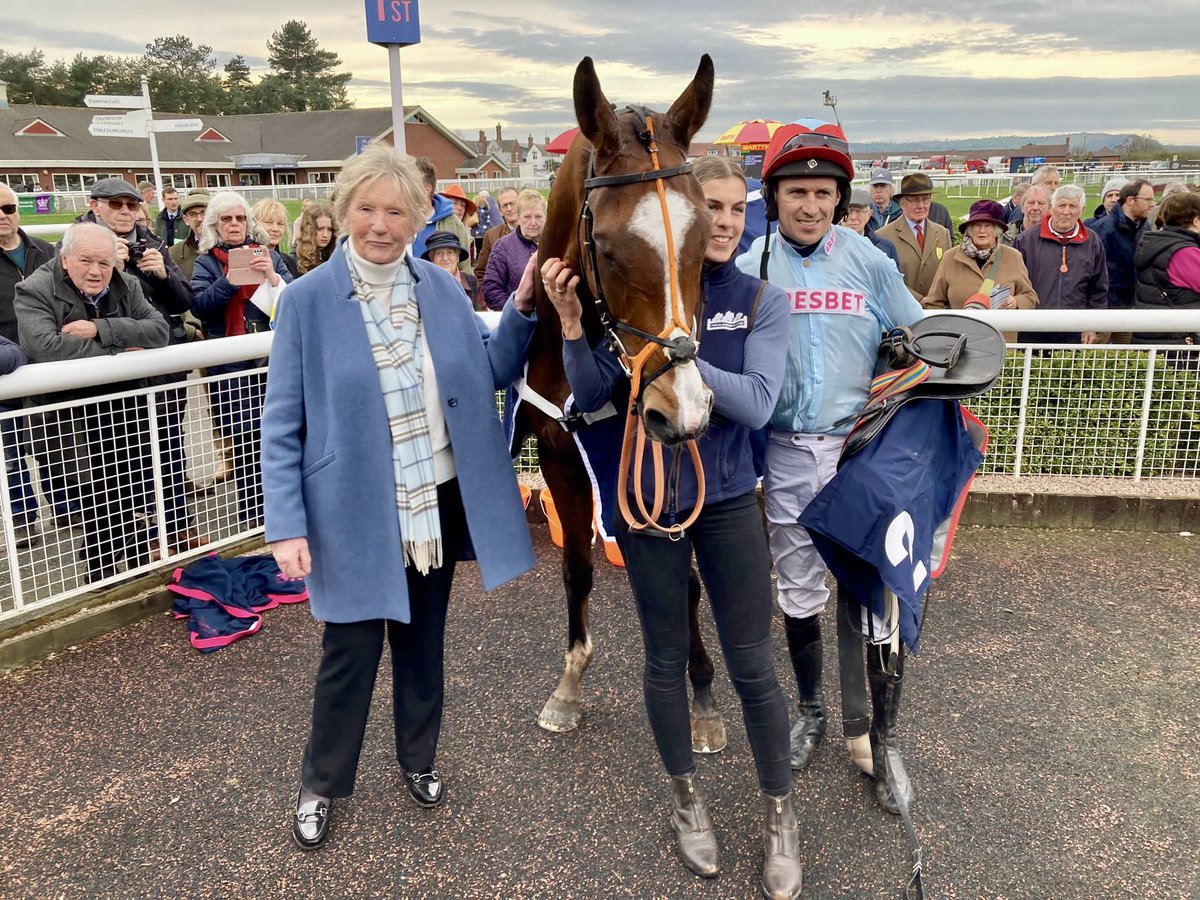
x=393 y=22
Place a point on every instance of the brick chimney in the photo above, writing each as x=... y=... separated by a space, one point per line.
x=482 y=142
x=529 y=143
x=498 y=137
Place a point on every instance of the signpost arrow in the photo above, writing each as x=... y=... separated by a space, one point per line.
x=115 y=129
x=178 y=125
x=114 y=101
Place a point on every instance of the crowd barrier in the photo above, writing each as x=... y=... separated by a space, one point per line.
x=102 y=483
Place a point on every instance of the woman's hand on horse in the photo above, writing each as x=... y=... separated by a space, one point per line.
x=523 y=295
x=292 y=557
x=560 y=283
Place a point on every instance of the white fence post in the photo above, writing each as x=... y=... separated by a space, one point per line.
x=1145 y=424
x=1024 y=409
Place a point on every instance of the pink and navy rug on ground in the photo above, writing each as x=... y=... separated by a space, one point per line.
x=223 y=599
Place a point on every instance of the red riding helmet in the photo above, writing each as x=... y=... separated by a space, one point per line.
x=808 y=147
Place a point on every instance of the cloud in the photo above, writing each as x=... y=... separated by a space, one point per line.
x=38 y=35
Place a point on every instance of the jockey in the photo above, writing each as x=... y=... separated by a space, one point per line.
x=843 y=295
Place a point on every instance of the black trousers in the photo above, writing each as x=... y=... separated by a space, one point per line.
x=735 y=565
x=350 y=660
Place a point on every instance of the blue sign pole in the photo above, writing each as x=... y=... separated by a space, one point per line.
x=394 y=24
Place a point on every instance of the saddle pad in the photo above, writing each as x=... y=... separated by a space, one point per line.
x=875 y=523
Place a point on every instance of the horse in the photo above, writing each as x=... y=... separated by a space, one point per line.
x=616 y=212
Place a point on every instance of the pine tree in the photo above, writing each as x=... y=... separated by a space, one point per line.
x=298 y=61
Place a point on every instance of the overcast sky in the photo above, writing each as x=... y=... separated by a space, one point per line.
x=901 y=70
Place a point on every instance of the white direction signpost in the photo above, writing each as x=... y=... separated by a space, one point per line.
x=111 y=101
x=137 y=123
x=178 y=125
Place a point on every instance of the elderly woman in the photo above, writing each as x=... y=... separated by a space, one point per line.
x=982 y=273
x=444 y=250
x=226 y=310
x=315 y=244
x=510 y=253
x=272 y=218
x=383 y=464
x=1168 y=268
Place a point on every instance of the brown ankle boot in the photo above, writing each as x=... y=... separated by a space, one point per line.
x=693 y=828
x=782 y=875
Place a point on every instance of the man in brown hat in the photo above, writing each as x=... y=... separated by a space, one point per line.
x=919 y=242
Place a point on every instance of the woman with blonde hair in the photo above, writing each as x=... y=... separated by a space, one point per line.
x=510 y=254
x=272 y=217
x=743 y=343
x=381 y=451
x=315 y=243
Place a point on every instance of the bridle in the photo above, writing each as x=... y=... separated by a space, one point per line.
x=678 y=350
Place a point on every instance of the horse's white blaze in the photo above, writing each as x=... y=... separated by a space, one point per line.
x=693 y=398
x=647 y=223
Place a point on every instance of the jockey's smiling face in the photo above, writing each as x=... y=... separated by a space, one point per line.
x=806 y=207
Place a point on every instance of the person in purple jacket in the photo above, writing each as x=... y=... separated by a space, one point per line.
x=743 y=347
x=510 y=254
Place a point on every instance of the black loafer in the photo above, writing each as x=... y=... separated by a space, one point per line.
x=310 y=823
x=426 y=787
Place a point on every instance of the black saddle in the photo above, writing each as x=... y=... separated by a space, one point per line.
x=943 y=357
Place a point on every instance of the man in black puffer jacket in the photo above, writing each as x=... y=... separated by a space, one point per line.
x=1168 y=269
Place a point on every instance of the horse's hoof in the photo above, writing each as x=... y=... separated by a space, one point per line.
x=560 y=716
x=708 y=734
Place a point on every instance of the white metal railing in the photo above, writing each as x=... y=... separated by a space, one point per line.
x=118 y=475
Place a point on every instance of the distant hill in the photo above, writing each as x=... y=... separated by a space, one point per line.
x=1091 y=139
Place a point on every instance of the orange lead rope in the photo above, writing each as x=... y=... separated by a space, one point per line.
x=633 y=422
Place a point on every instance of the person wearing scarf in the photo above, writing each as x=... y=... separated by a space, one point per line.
x=1066 y=265
x=980 y=267
x=226 y=310
x=383 y=464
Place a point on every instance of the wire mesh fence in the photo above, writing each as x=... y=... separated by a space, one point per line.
x=117 y=483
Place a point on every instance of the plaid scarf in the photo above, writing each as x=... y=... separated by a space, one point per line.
x=396 y=346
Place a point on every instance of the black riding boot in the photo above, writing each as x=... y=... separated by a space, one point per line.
x=804 y=647
x=885 y=704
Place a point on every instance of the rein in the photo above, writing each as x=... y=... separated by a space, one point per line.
x=677 y=350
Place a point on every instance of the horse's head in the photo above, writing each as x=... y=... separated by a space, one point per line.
x=642 y=241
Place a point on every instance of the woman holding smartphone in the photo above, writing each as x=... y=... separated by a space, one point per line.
x=743 y=366
x=226 y=309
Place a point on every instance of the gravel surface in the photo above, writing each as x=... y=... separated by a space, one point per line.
x=1097 y=487
x=1049 y=726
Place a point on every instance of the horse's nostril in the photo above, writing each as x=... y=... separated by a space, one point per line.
x=656 y=423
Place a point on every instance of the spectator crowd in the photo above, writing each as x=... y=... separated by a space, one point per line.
x=125 y=277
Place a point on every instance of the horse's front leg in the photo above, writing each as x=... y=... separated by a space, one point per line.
x=708 y=727
x=564 y=710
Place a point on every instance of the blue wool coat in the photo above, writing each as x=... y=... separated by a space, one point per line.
x=327 y=452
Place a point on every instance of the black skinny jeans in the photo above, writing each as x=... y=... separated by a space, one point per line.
x=735 y=565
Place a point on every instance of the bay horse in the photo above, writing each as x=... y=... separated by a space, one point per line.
x=634 y=237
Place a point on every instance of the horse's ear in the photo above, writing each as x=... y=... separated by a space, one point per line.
x=687 y=114
x=594 y=113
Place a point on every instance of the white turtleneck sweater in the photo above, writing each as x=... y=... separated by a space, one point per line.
x=381 y=280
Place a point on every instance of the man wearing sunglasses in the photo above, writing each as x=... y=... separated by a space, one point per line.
x=20 y=256
x=145 y=256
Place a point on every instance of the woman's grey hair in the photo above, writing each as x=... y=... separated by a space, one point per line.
x=80 y=230
x=1072 y=192
x=219 y=204
x=1173 y=187
x=1042 y=172
x=381 y=161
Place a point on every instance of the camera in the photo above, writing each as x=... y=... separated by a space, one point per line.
x=136 y=249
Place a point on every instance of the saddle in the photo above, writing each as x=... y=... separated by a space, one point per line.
x=943 y=357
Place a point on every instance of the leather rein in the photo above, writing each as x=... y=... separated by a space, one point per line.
x=678 y=350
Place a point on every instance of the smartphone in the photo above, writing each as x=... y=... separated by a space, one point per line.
x=239 y=265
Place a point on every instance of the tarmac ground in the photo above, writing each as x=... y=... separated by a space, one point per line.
x=1050 y=725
